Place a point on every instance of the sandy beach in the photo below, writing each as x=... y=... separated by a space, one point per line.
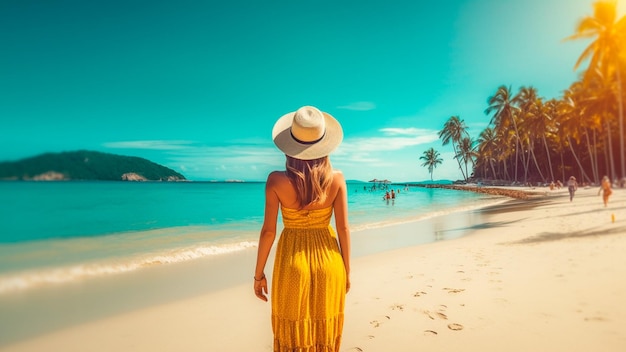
x=544 y=274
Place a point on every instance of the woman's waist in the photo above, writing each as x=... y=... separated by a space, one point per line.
x=305 y=227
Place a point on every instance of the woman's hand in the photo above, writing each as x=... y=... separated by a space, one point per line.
x=347 y=285
x=260 y=288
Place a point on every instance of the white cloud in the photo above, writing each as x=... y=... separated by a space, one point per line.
x=249 y=162
x=411 y=131
x=242 y=159
x=392 y=154
x=359 y=106
x=150 y=144
x=391 y=139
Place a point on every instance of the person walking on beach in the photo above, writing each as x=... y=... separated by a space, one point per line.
x=311 y=273
x=605 y=188
x=572 y=187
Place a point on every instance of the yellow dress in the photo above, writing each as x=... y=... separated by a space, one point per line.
x=308 y=285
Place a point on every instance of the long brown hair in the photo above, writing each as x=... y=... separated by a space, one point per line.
x=311 y=178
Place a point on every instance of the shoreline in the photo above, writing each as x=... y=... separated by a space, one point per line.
x=538 y=278
x=510 y=191
x=134 y=257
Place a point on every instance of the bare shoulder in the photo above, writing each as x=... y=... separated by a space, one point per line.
x=338 y=175
x=276 y=178
x=275 y=175
x=338 y=178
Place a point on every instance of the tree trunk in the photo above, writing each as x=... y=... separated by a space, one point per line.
x=607 y=165
x=519 y=146
x=526 y=161
x=458 y=161
x=582 y=170
x=611 y=160
x=516 y=158
x=545 y=143
x=562 y=167
x=595 y=152
x=620 y=110
x=537 y=165
x=592 y=155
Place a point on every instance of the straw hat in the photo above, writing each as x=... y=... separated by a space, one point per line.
x=307 y=133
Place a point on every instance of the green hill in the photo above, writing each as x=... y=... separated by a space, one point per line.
x=86 y=165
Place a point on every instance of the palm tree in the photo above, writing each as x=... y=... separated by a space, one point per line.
x=467 y=152
x=488 y=148
x=501 y=104
x=595 y=96
x=431 y=160
x=526 y=100
x=453 y=131
x=545 y=121
x=570 y=128
x=605 y=52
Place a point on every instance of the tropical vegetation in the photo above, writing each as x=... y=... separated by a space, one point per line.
x=86 y=165
x=533 y=139
x=431 y=160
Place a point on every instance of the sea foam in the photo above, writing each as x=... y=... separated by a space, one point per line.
x=44 y=276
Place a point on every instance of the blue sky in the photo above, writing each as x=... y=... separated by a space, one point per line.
x=197 y=85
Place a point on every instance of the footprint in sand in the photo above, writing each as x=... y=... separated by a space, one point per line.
x=430 y=332
x=455 y=326
x=419 y=293
x=433 y=315
x=376 y=323
x=595 y=319
x=399 y=307
x=454 y=290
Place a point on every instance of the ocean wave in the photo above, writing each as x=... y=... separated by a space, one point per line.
x=45 y=276
x=65 y=273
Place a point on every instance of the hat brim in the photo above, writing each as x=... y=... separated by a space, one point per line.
x=281 y=134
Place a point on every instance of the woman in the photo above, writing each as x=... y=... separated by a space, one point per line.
x=605 y=188
x=572 y=187
x=312 y=262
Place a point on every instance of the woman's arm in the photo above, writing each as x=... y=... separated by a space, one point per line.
x=341 y=223
x=266 y=238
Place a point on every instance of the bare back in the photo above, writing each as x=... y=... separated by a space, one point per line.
x=288 y=198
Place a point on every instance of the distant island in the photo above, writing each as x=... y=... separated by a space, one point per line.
x=86 y=165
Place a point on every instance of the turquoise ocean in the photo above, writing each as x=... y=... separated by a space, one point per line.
x=59 y=232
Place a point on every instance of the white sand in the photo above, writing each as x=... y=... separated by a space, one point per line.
x=547 y=279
